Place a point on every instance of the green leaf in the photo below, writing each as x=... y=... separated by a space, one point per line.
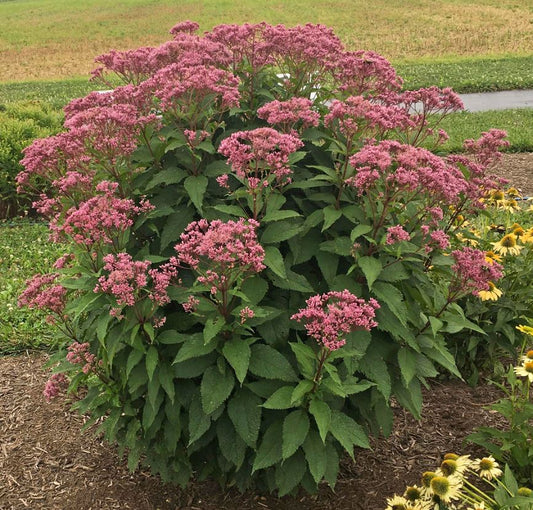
x=212 y=328
x=371 y=268
x=133 y=359
x=215 y=388
x=387 y=293
x=280 y=231
x=340 y=246
x=152 y=358
x=269 y=451
x=305 y=357
x=268 y=363
x=322 y=415
x=290 y=473
x=316 y=455
x=274 y=261
x=231 y=445
x=279 y=215
x=302 y=389
x=348 y=432
x=196 y=185
x=360 y=230
x=328 y=264
x=199 y=422
x=295 y=429
x=280 y=399
x=194 y=348
x=175 y=226
x=237 y=352
x=331 y=215
x=255 y=288
x=244 y=410
x=407 y=360
x=332 y=467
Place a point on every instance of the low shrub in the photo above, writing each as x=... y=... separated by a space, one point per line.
x=21 y=122
x=262 y=253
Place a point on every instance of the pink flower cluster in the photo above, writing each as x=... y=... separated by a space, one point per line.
x=128 y=280
x=288 y=114
x=363 y=72
x=394 y=166
x=54 y=385
x=329 y=316
x=472 y=271
x=396 y=234
x=79 y=354
x=99 y=219
x=357 y=115
x=257 y=153
x=44 y=293
x=181 y=88
x=221 y=251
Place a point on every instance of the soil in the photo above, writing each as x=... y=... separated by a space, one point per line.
x=47 y=462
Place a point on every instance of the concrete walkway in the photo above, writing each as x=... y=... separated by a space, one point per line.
x=505 y=100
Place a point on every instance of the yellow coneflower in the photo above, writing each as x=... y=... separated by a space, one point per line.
x=514 y=192
x=487 y=467
x=525 y=492
x=519 y=231
x=492 y=257
x=446 y=488
x=491 y=294
x=527 y=236
x=496 y=195
x=528 y=330
x=528 y=356
x=509 y=205
x=507 y=245
x=397 y=503
x=413 y=493
x=477 y=506
x=525 y=370
x=463 y=461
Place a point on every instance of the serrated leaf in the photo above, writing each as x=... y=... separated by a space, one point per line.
x=290 y=473
x=199 y=422
x=231 y=445
x=305 y=357
x=280 y=231
x=359 y=230
x=332 y=467
x=237 y=352
x=295 y=429
x=316 y=455
x=340 y=246
x=371 y=268
x=266 y=362
x=280 y=399
x=212 y=328
x=244 y=410
x=254 y=289
x=279 y=215
x=274 y=261
x=331 y=215
x=322 y=414
x=407 y=360
x=152 y=358
x=194 y=348
x=387 y=293
x=232 y=210
x=195 y=186
x=215 y=388
x=302 y=389
x=166 y=379
x=269 y=451
x=328 y=264
x=348 y=432
x=175 y=226
x=133 y=359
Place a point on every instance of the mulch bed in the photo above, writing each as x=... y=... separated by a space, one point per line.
x=46 y=462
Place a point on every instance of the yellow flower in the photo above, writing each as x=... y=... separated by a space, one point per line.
x=513 y=192
x=519 y=231
x=487 y=467
x=492 y=257
x=507 y=244
x=463 y=461
x=525 y=370
x=492 y=294
x=528 y=330
x=509 y=205
x=524 y=491
x=446 y=488
x=397 y=503
x=477 y=506
x=528 y=356
x=496 y=194
x=527 y=237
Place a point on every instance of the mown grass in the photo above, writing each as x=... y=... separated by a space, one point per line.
x=24 y=251
x=518 y=123
x=50 y=39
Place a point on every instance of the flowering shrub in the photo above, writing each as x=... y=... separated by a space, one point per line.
x=262 y=253
x=504 y=232
x=466 y=484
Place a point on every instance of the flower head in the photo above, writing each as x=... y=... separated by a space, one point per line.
x=328 y=317
x=446 y=488
x=525 y=370
x=507 y=245
x=491 y=294
x=487 y=467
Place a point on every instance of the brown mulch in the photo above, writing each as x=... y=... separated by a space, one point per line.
x=46 y=462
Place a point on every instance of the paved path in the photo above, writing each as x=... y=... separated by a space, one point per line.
x=498 y=100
